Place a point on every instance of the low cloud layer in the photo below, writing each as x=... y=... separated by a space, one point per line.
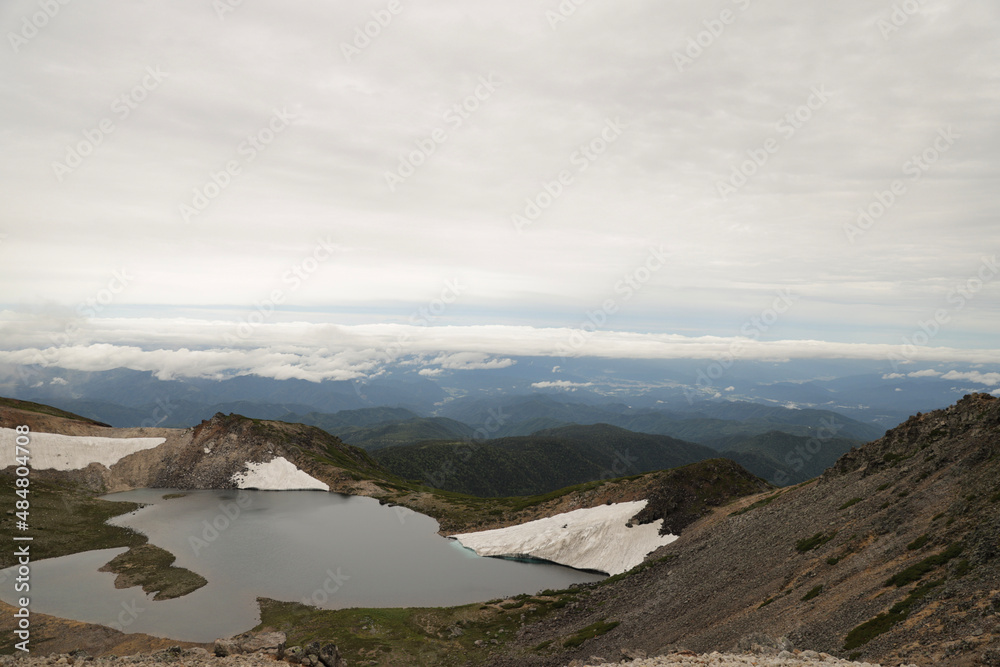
x=324 y=351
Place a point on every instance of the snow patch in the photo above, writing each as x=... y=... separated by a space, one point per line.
x=588 y=539
x=71 y=452
x=278 y=474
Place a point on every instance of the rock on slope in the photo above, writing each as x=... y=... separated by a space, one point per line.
x=890 y=556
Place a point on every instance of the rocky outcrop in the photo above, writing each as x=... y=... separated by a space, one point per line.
x=891 y=556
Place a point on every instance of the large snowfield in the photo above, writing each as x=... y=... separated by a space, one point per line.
x=71 y=452
x=597 y=538
x=278 y=474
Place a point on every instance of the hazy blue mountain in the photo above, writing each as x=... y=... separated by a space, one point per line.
x=782 y=458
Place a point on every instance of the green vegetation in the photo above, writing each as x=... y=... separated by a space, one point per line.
x=65 y=519
x=937 y=516
x=777 y=455
x=813 y=592
x=814 y=542
x=833 y=560
x=28 y=406
x=536 y=464
x=765 y=603
x=759 y=503
x=882 y=623
x=418 y=636
x=917 y=571
x=963 y=567
x=883 y=487
x=849 y=503
x=589 y=632
x=152 y=568
x=919 y=542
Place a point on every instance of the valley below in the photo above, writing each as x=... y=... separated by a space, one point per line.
x=888 y=556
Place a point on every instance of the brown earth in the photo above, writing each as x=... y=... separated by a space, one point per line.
x=738 y=578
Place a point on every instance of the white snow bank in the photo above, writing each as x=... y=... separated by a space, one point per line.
x=278 y=474
x=71 y=452
x=589 y=539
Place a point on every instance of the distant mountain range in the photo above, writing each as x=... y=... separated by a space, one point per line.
x=543 y=462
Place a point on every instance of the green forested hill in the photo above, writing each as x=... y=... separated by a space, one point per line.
x=546 y=461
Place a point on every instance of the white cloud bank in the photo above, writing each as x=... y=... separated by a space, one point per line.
x=561 y=384
x=309 y=351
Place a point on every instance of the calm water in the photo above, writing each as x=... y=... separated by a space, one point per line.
x=323 y=549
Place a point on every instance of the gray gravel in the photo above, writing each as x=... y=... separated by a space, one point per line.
x=783 y=659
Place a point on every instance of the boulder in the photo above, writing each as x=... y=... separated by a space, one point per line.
x=224 y=647
x=271 y=643
x=329 y=655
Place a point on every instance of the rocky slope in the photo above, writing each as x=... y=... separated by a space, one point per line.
x=889 y=556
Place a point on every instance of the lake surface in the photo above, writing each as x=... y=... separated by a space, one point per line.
x=323 y=549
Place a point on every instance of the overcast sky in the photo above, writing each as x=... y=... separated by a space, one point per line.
x=176 y=166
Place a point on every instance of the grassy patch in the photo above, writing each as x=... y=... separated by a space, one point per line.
x=917 y=571
x=833 y=560
x=814 y=542
x=919 y=542
x=65 y=519
x=882 y=623
x=852 y=501
x=813 y=592
x=589 y=632
x=152 y=568
x=413 y=636
x=765 y=603
x=883 y=487
x=963 y=567
x=760 y=503
x=28 y=406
